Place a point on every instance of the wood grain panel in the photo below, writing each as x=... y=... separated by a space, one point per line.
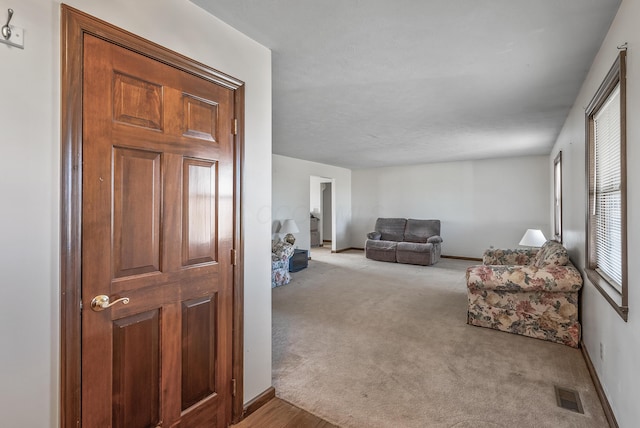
x=199 y=209
x=198 y=349
x=200 y=117
x=136 y=380
x=201 y=416
x=136 y=216
x=137 y=102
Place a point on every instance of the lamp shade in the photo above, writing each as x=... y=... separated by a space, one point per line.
x=533 y=238
x=289 y=226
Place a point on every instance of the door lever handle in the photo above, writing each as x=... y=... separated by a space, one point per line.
x=101 y=302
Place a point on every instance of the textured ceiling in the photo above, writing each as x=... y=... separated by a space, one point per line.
x=369 y=83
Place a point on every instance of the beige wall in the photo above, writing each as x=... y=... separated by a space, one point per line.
x=618 y=368
x=29 y=188
x=291 y=197
x=479 y=203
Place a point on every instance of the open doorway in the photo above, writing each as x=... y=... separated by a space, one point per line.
x=322 y=213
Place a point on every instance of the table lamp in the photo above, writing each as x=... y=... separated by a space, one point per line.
x=289 y=227
x=533 y=238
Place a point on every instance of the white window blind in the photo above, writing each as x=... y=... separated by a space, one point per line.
x=607 y=201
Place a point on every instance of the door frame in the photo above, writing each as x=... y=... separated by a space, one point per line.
x=74 y=24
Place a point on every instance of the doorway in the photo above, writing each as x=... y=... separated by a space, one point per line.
x=321 y=206
x=151 y=233
x=326 y=210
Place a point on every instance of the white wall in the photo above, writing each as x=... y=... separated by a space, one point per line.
x=291 y=196
x=29 y=188
x=479 y=203
x=618 y=371
x=29 y=221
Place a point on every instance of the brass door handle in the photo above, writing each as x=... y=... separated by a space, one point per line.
x=101 y=302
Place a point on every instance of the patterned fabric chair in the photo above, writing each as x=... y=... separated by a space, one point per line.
x=527 y=291
x=281 y=252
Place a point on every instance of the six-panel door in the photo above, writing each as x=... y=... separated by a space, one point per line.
x=157 y=228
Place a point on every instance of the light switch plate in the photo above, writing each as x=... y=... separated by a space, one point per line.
x=16 y=39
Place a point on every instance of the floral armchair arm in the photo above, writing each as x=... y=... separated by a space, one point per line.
x=524 y=278
x=281 y=251
x=519 y=256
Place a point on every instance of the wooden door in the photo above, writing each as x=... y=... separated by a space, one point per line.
x=157 y=228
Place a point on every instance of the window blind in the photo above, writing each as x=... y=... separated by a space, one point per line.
x=607 y=203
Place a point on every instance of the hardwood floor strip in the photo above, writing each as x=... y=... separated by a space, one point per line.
x=307 y=420
x=278 y=413
x=259 y=401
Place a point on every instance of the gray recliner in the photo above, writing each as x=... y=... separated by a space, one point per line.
x=403 y=240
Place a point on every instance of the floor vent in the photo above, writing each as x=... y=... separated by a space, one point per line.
x=568 y=399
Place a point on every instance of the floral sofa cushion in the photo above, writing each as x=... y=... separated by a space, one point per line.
x=541 y=315
x=524 y=278
x=281 y=250
x=280 y=273
x=552 y=253
x=519 y=256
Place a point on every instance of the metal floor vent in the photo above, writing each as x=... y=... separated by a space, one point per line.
x=568 y=399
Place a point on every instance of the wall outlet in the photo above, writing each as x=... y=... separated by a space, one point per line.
x=16 y=39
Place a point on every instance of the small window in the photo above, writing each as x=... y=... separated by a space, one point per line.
x=557 y=198
x=607 y=186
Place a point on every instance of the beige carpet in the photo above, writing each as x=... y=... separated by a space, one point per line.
x=372 y=344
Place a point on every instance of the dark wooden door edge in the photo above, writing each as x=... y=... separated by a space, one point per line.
x=238 y=271
x=608 y=411
x=262 y=399
x=74 y=24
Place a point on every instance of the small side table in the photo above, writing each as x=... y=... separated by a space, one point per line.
x=299 y=260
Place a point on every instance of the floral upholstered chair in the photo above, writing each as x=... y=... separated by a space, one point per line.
x=281 y=252
x=526 y=291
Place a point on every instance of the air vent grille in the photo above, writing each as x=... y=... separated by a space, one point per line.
x=568 y=399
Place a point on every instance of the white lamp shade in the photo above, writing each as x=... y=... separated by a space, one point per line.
x=533 y=238
x=289 y=226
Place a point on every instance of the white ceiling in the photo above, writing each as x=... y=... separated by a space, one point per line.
x=370 y=83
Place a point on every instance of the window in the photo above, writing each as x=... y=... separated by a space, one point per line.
x=606 y=217
x=557 y=198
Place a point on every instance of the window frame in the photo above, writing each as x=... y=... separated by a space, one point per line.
x=616 y=76
x=557 y=197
